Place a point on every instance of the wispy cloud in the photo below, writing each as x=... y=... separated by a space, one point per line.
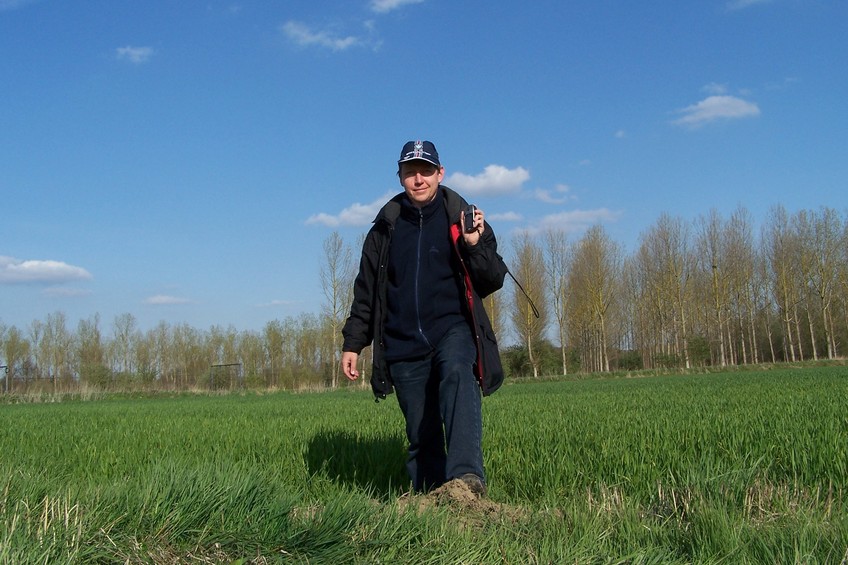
x=717 y=107
x=570 y=222
x=383 y=6
x=493 y=181
x=65 y=292
x=165 y=300
x=576 y=221
x=742 y=4
x=135 y=55
x=354 y=215
x=780 y=85
x=278 y=303
x=714 y=88
x=505 y=217
x=14 y=4
x=39 y=271
x=305 y=36
x=559 y=194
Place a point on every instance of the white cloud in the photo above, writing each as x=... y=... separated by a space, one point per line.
x=135 y=55
x=715 y=108
x=304 y=36
x=559 y=195
x=493 y=181
x=577 y=221
x=354 y=215
x=383 y=6
x=37 y=271
x=164 y=300
x=505 y=217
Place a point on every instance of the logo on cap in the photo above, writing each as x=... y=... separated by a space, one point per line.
x=419 y=150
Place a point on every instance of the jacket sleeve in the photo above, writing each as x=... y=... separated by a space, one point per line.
x=358 y=331
x=486 y=267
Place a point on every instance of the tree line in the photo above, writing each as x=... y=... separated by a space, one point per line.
x=710 y=292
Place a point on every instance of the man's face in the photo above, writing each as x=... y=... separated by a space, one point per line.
x=420 y=180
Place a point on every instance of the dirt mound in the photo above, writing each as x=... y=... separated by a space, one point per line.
x=457 y=496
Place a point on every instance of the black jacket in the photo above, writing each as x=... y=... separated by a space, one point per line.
x=482 y=272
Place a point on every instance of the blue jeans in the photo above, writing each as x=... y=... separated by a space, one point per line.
x=442 y=404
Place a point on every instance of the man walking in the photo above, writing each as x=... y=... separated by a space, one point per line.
x=418 y=298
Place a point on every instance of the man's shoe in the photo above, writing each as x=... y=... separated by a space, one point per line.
x=475 y=484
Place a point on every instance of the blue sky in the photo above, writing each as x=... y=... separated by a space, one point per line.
x=185 y=161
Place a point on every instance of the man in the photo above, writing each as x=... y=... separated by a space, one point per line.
x=418 y=297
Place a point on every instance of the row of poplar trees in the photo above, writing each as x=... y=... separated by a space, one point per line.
x=713 y=291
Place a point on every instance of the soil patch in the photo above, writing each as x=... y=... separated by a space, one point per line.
x=456 y=496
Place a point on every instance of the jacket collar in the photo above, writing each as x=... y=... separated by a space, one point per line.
x=453 y=203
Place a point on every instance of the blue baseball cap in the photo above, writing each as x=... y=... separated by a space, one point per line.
x=419 y=150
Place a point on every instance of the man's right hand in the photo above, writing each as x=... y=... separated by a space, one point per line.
x=349 y=359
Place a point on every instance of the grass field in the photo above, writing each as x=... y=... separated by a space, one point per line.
x=747 y=467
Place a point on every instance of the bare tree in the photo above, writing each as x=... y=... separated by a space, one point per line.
x=595 y=284
x=494 y=304
x=530 y=272
x=163 y=354
x=189 y=355
x=144 y=358
x=824 y=277
x=842 y=275
x=740 y=253
x=56 y=347
x=711 y=259
x=764 y=292
x=16 y=349
x=124 y=329
x=272 y=339
x=782 y=248
x=222 y=345
x=336 y=282
x=252 y=355
x=802 y=225
x=665 y=260
x=90 y=351
x=635 y=307
x=558 y=255
x=36 y=335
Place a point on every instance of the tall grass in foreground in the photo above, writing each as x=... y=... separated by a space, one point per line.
x=746 y=467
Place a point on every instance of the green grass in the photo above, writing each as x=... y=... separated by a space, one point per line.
x=745 y=467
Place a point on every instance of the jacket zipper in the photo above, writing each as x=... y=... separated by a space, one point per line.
x=418 y=278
